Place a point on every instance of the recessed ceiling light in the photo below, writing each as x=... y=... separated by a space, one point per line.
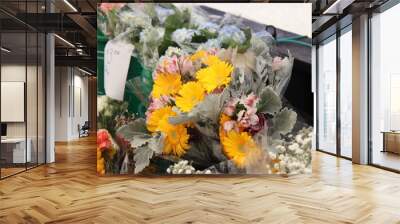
x=5 y=50
x=64 y=40
x=70 y=5
x=84 y=71
x=338 y=6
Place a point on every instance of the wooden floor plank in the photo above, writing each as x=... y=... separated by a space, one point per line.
x=69 y=191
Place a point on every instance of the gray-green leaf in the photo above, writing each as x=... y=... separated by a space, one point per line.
x=157 y=143
x=270 y=102
x=142 y=158
x=210 y=108
x=131 y=130
x=284 y=122
x=181 y=118
x=140 y=140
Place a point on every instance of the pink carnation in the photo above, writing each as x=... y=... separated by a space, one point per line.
x=212 y=51
x=250 y=101
x=230 y=125
x=168 y=65
x=247 y=118
x=262 y=123
x=230 y=107
x=186 y=65
x=105 y=7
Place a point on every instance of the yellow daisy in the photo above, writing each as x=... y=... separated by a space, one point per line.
x=238 y=146
x=214 y=76
x=176 y=136
x=190 y=95
x=211 y=60
x=153 y=122
x=176 y=139
x=166 y=85
x=198 y=55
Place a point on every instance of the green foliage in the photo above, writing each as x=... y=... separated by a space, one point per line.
x=241 y=47
x=203 y=36
x=173 y=22
x=108 y=109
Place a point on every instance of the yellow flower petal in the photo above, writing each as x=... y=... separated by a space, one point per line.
x=238 y=146
x=176 y=140
x=190 y=95
x=214 y=76
x=162 y=114
x=176 y=136
x=198 y=55
x=166 y=85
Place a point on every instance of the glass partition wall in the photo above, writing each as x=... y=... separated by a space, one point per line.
x=345 y=91
x=385 y=90
x=327 y=95
x=334 y=94
x=22 y=107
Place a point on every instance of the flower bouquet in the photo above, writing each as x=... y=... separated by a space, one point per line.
x=215 y=104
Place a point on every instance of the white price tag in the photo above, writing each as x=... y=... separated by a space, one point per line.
x=117 y=57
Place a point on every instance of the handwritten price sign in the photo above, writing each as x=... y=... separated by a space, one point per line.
x=117 y=57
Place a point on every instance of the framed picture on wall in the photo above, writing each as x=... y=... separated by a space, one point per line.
x=185 y=90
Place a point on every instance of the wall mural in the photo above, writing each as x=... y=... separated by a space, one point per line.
x=184 y=92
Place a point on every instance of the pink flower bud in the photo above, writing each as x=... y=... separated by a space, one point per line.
x=277 y=63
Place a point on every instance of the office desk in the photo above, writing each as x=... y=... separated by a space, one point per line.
x=13 y=150
x=391 y=141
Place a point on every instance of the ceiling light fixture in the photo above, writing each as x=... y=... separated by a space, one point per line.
x=5 y=50
x=70 y=5
x=337 y=7
x=64 y=40
x=84 y=71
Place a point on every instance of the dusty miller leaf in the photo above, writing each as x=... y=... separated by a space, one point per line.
x=134 y=128
x=157 y=143
x=207 y=129
x=140 y=140
x=142 y=158
x=181 y=118
x=210 y=108
x=270 y=101
x=284 y=122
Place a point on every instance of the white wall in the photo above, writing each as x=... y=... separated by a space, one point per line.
x=292 y=17
x=70 y=83
x=34 y=125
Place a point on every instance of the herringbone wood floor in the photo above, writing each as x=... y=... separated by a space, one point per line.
x=70 y=192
